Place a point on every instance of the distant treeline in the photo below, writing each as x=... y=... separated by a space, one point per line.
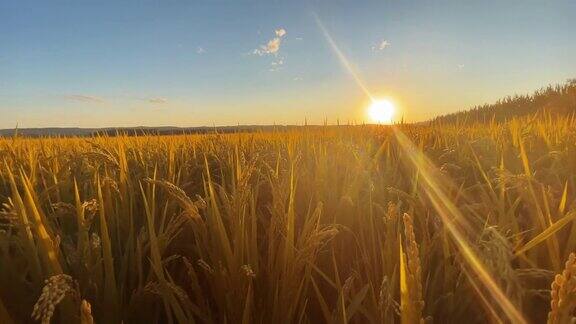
x=557 y=99
x=136 y=131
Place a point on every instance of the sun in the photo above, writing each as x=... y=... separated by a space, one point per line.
x=381 y=111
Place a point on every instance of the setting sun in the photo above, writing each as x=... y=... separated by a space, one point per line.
x=381 y=111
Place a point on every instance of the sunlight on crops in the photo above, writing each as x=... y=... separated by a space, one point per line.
x=446 y=223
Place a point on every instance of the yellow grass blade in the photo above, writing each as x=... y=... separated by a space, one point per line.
x=110 y=289
x=547 y=233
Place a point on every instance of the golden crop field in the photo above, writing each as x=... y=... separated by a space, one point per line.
x=362 y=224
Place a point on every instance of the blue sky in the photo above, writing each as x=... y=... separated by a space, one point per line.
x=190 y=63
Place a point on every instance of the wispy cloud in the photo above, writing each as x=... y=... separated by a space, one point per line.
x=277 y=64
x=381 y=46
x=299 y=38
x=157 y=100
x=84 y=98
x=460 y=66
x=273 y=45
x=200 y=50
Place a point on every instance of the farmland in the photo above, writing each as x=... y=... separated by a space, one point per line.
x=440 y=223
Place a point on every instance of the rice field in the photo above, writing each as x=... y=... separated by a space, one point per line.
x=442 y=223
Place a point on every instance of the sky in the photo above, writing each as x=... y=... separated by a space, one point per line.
x=106 y=63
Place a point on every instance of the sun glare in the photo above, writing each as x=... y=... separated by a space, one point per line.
x=381 y=111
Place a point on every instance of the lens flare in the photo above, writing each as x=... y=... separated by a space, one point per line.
x=432 y=185
x=343 y=59
x=454 y=222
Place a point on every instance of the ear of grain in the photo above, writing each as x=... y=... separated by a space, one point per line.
x=86 y=313
x=412 y=304
x=563 y=294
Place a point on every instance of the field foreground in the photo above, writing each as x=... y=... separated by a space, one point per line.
x=411 y=224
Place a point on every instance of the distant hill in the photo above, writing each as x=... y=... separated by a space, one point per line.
x=46 y=131
x=132 y=131
x=558 y=99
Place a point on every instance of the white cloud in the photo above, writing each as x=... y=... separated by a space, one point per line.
x=200 y=50
x=381 y=46
x=460 y=66
x=157 y=100
x=299 y=38
x=278 y=62
x=273 y=45
x=274 y=68
x=384 y=44
x=84 y=98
